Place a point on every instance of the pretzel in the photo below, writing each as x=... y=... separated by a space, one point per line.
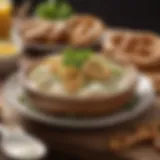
x=84 y=30
x=41 y=31
x=141 y=133
x=57 y=33
x=142 y=48
x=148 y=54
x=37 y=34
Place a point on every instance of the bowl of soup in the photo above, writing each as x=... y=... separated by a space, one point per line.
x=78 y=82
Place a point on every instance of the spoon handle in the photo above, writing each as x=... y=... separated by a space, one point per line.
x=2 y=129
x=6 y=130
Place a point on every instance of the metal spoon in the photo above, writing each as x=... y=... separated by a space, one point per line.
x=19 y=145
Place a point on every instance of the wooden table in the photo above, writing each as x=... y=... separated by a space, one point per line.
x=55 y=156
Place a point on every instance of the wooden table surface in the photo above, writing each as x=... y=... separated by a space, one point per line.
x=91 y=145
x=54 y=156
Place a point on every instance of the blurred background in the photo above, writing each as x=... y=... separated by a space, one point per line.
x=136 y=14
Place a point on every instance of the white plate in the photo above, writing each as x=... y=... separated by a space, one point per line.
x=144 y=91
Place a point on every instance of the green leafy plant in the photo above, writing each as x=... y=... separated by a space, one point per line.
x=64 y=11
x=55 y=10
x=45 y=10
x=76 y=57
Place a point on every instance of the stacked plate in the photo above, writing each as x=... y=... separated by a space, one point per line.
x=143 y=101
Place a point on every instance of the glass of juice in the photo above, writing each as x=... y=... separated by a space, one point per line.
x=5 y=18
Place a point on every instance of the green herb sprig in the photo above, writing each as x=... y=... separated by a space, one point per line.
x=57 y=10
x=76 y=57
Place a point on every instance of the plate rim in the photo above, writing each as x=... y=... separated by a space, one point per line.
x=143 y=104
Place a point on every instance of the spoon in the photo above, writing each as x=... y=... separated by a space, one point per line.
x=19 y=145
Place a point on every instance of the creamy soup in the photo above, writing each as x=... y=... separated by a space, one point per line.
x=76 y=74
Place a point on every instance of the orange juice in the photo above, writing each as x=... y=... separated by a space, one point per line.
x=7 y=48
x=5 y=18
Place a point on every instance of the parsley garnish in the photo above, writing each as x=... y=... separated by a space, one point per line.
x=76 y=57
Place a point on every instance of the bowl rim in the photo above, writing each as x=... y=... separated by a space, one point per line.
x=26 y=83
